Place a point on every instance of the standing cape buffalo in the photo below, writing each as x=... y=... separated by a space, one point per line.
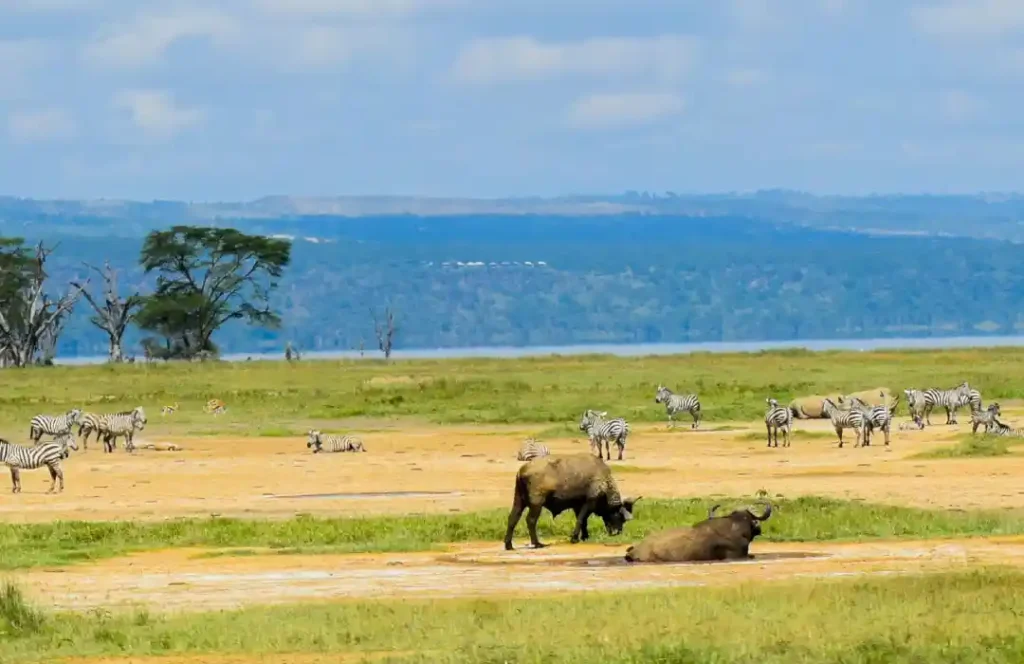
x=580 y=482
x=716 y=538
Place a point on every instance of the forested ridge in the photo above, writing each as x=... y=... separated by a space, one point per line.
x=475 y=280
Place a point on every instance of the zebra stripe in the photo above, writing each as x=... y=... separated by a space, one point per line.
x=777 y=418
x=985 y=418
x=18 y=458
x=876 y=417
x=88 y=424
x=124 y=424
x=974 y=399
x=845 y=419
x=532 y=449
x=952 y=400
x=1002 y=429
x=321 y=442
x=679 y=403
x=53 y=425
x=600 y=430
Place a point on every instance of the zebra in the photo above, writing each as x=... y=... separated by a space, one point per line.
x=974 y=399
x=1002 y=429
x=53 y=426
x=600 y=430
x=876 y=417
x=169 y=410
x=678 y=403
x=532 y=449
x=985 y=418
x=778 y=417
x=18 y=458
x=952 y=400
x=321 y=442
x=845 y=419
x=915 y=405
x=89 y=423
x=913 y=424
x=125 y=424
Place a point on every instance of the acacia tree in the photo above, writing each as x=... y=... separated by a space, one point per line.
x=115 y=313
x=30 y=320
x=205 y=278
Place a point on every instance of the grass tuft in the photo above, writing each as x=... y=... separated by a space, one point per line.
x=969 y=446
x=17 y=618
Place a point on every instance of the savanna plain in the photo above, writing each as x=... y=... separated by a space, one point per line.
x=224 y=539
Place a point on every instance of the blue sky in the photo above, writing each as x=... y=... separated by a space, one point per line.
x=233 y=99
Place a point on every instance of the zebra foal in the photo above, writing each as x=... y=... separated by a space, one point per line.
x=679 y=403
x=19 y=457
x=532 y=449
x=321 y=442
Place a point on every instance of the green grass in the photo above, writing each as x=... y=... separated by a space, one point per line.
x=278 y=397
x=965 y=618
x=969 y=446
x=801 y=519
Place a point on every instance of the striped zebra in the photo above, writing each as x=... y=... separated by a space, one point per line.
x=915 y=405
x=952 y=400
x=679 y=403
x=532 y=449
x=18 y=458
x=125 y=424
x=1002 y=429
x=53 y=426
x=986 y=418
x=778 y=417
x=974 y=399
x=600 y=430
x=876 y=417
x=89 y=424
x=327 y=442
x=844 y=419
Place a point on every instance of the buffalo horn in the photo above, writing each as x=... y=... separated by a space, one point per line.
x=767 y=512
x=711 y=512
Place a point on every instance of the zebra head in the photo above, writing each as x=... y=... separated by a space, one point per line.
x=313 y=440
x=67 y=440
x=589 y=419
x=772 y=403
x=74 y=416
x=994 y=408
x=828 y=406
x=662 y=395
x=139 y=418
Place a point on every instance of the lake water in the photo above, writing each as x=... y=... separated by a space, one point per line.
x=631 y=350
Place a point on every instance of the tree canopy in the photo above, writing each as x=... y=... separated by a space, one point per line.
x=205 y=278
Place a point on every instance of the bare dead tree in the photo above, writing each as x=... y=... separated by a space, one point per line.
x=385 y=331
x=33 y=321
x=115 y=313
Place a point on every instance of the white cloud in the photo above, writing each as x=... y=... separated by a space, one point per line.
x=665 y=57
x=49 y=124
x=142 y=42
x=327 y=46
x=605 y=111
x=156 y=113
x=967 y=19
x=356 y=8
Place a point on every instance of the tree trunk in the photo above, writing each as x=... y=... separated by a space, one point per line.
x=116 y=353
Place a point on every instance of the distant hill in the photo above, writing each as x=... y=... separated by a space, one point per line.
x=550 y=279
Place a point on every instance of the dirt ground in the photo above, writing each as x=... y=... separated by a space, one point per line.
x=437 y=469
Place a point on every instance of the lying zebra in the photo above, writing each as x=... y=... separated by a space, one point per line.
x=1001 y=429
x=532 y=449
x=321 y=442
x=49 y=454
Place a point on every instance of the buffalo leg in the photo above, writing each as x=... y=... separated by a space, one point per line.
x=513 y=519
x=582 y=514
x=532 y=516
x=584 y=531
x=15 y=480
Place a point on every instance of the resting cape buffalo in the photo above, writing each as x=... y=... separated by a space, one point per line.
x=716 y=538
x=580 y=482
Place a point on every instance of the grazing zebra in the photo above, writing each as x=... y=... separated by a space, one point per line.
x=600 y=430
x=321 y=442
x=678 y=403
x=87 y=425
x=53 y=426
x=215 y=406
x=876 y=417
x=985 y=418
x=844 y=419
x=952 y=400
x=169 y=410
x=18 y=458
x=778 y=417
x=532 y=449
x=915 y=405
x=125 y=424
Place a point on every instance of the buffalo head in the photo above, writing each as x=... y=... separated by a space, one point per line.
x=745 y=516
x=616 y=516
